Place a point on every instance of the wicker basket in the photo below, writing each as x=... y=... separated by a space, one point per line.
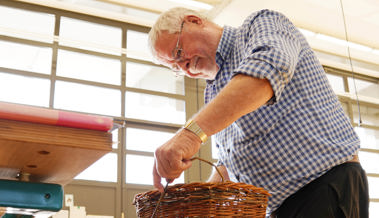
x=224 y=199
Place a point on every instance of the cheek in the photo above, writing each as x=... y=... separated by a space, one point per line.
x=207 y=62
x=196 y=48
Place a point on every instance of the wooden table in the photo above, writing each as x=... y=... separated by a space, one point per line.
x=50 y=154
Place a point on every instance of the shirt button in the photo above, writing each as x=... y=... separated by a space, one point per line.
x=228 y=150
x=238 y=177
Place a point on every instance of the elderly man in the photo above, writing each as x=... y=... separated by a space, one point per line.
x=275 y=119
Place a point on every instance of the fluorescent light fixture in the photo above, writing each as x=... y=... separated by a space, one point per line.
x=343 y=42
x=193 y=3
x=332 y=39
x=359 y=47
x=307 y=32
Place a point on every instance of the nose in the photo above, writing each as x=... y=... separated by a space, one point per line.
x=184 y=65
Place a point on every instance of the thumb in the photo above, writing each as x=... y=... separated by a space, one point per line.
x=185 y=164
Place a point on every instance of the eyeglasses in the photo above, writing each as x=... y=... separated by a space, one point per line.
x=178 y=53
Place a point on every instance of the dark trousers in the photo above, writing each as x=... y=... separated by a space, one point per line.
x=342 y=192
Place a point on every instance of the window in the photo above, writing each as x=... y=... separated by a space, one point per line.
x=137 y=46
x=154 y=78
x=90 y=36
x=154 y=108
x=369 y=137
x=89 y=67
x=139 y=170
x=369 y=115
x=364 y=88
x=115 y=139
x=374 y=209
x=105 y=169
x=25 y=57
x=84 y=64
x=136 y=139
x=23 y=24
x=369 y=161
x=24 y=89
x=87 y=98
x=336 y=82
x=373 y=183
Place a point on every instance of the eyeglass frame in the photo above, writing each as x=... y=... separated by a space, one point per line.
x=177 y=53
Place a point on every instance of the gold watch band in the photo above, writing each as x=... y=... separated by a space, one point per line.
x=192 y=126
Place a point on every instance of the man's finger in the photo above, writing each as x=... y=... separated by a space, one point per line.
x=162 y=167
x=157 y=179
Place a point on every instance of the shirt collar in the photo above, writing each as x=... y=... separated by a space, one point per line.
x=224 y=47
x=226 y=44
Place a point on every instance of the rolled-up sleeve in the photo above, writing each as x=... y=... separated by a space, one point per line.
x=272 y=50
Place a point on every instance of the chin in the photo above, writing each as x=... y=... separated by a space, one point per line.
x=200 y=74
x=195 y=75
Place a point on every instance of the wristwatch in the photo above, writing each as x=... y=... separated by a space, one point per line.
x=192 y=126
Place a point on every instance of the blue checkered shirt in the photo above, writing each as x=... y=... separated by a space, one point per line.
x=302 y=131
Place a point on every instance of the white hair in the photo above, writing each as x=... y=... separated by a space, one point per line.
x=169 y=21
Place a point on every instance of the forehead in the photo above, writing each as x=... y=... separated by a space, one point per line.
x=164 y=46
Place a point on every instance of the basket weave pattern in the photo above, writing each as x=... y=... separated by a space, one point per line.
x=224 y=199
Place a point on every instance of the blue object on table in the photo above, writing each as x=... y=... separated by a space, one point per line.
x=30 y=198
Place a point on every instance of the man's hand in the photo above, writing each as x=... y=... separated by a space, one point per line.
x=173 y=157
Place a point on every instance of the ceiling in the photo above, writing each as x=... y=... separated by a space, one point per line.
x=325 y=18
x=320 y=16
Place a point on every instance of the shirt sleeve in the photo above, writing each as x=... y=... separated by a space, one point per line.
x=272 y=50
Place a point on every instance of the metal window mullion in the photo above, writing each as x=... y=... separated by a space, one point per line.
x=140 y=153
x=152 y=126
x=122 y=148
x=346 y=84
x=347 y=73
x=54 y=62
x=26 y=41
x=171 y=127
x=120 y=173
x=376 y=175
x=191 y=108
x=370 y=126
x=370 y=150
x=156 y=93
x=89 y=52
x=24 y=73
x=92 y=183
x=87 y=82
x=141 y=61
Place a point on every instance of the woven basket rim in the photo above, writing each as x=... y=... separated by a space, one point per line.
x=227 y=186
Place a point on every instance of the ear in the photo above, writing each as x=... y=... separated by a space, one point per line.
x=193 y=19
